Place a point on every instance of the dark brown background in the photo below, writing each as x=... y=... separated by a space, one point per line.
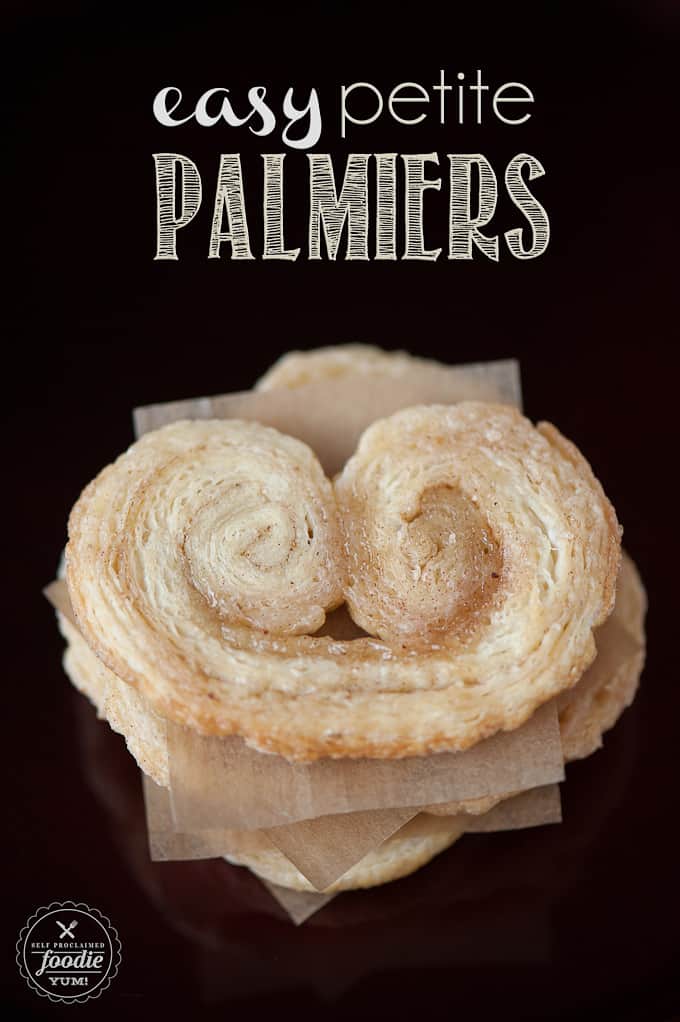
x=578 y=921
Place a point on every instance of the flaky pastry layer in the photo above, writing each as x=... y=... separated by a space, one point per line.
x=479 y=551
x=585 y=712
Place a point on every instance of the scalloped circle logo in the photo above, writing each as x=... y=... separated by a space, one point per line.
x=68 y=952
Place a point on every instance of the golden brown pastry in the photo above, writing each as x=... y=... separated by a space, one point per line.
x=296 y=368
x=594 y=705
x=197 y=559
x=118 y=703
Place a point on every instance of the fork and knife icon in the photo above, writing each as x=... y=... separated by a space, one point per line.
x=67 y=931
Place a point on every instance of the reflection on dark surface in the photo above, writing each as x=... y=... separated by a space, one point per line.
x=493 y=901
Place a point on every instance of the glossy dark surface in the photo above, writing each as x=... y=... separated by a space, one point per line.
x=579 y=920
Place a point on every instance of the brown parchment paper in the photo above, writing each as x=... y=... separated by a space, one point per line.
x=299 y=905
x=533 y=808
x=57 y=593
x=166 y=844
x=331 y=415
x=323 y=849
x=220 y=782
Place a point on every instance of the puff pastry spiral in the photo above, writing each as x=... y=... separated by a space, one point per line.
x=480 y=553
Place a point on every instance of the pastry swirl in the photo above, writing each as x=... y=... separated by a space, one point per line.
x=200 y=561
x=466 y=526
